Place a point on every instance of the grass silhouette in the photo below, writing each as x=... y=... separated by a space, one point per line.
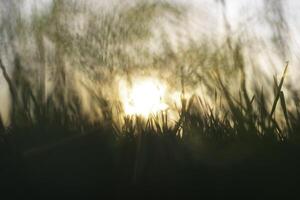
x=244 y=143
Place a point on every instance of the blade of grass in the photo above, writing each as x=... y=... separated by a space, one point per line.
x=277 y=95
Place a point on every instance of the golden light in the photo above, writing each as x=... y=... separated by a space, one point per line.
x=143 y=97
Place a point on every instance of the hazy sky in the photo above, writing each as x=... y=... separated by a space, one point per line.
x=205 y=16
x=237 y=10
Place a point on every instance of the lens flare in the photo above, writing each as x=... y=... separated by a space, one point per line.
x=143 y=97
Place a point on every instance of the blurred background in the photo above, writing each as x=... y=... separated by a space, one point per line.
x=86 y=47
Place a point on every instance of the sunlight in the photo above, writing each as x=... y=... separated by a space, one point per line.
x=144 y=97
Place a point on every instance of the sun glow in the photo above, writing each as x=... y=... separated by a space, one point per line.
x=143 y=97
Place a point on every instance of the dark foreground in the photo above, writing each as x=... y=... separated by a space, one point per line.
x=99 y=165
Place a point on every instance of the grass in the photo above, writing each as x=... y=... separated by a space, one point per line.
x=239 y=141
x=232 y=141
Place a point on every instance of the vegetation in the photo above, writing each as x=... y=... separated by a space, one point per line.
x=239 y=137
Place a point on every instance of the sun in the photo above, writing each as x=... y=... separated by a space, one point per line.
x=143 y=97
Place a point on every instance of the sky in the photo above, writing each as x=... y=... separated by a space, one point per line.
x=237 y=10
x=205 y=17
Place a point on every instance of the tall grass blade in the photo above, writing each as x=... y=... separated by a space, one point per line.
x=278 y=89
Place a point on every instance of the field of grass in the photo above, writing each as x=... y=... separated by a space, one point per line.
x=243 y=153
x=241 y=139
